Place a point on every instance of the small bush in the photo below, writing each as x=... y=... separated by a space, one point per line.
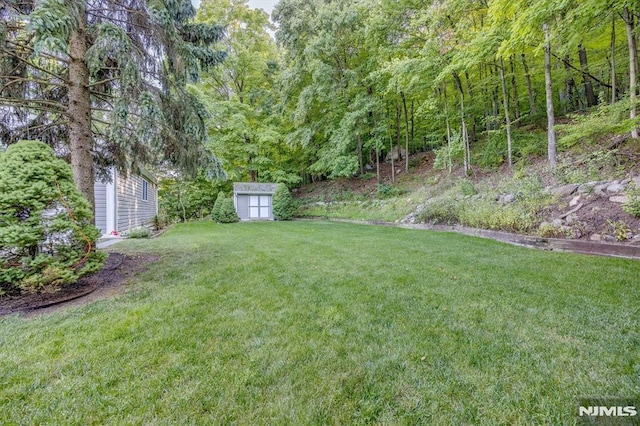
x=632 y=206
x=485 y=215
x=441 y=211
x=141 y=232
x=620 y=229
x=215 y=211
x=283 y=203
x=160 y=221
x=452 y=153
x=227 y=212
x=549 y=230
x=368 y=176
x=385 y=191
x=47 y=235
x=467 y=188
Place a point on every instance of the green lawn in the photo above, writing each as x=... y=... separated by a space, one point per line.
x=325 y=323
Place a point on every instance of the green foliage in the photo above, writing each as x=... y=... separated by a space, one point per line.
x=367 y=176
x=443 y=210
x=139 y=57
x=595 y=165
x=384 y=190
x=449 y=154
x=457 y=207
x=491 y=152
x=141 y=232
x=549 y=230
x=160 y=221
x=283 y=203
x=217 y=206
x=227 y=212
x=487 y=215
x=47 y=236
x=620 y=229
x=632 y=206
x=606 y=119
x=467 y=188
x=182 y=199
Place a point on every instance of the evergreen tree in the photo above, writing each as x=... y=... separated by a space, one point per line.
x=283 y=204
x=47 y=236
x=105 y=81
x=215 y=211
x=227 y=212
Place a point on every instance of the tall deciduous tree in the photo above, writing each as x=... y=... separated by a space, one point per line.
x=104 y=81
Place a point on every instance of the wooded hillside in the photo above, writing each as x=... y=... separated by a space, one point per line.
x=350 y=80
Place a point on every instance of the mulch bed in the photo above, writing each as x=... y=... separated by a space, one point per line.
x=117 y=271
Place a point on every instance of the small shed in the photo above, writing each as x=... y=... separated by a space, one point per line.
x=254 y=201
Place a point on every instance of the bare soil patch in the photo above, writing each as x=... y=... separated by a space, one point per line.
x=118 y=270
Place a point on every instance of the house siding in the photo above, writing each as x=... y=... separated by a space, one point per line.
x=133 y=211
x=100 y=193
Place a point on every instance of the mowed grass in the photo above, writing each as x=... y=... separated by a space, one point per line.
x=310 y=323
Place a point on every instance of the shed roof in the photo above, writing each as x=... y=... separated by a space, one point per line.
x=254 y=188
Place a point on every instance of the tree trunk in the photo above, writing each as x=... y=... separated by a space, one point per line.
x=378 y=164
x=79 y=111
x=505 y=102
x=360 y=160
x=629 y=21
x=613 y=59
x=516 y=108
x=570 y=87
x=532 y=101
x=465 y=139
x=393 y=165
x=588 y=86
x=398 y=133
x=551 y=131
x=406 y=132
x=446 y=116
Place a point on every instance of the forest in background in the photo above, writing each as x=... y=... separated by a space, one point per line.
x=346 y=82
x=328 y=90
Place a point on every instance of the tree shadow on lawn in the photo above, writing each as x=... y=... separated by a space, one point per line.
x=118 y=270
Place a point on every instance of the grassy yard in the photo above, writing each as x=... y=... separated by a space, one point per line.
x=323 y=323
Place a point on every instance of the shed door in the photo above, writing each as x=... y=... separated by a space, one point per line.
x=259 y=207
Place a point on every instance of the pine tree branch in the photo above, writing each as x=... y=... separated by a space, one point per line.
x=107 y=80
x=32 y=65
x=16 y=80
x=32 y=50
x=36 y=104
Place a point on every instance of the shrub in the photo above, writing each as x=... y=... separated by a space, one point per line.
x=283 y=204
x=632 y=206
x=47 y=236
x=443 y=210
x=227 y=213
x=467 y=188
x=141 y=232
x=388 y=191
x=215 y=211
x=160 y=221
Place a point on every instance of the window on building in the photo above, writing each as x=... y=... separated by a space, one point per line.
x=145 y=190
x=259 y=206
